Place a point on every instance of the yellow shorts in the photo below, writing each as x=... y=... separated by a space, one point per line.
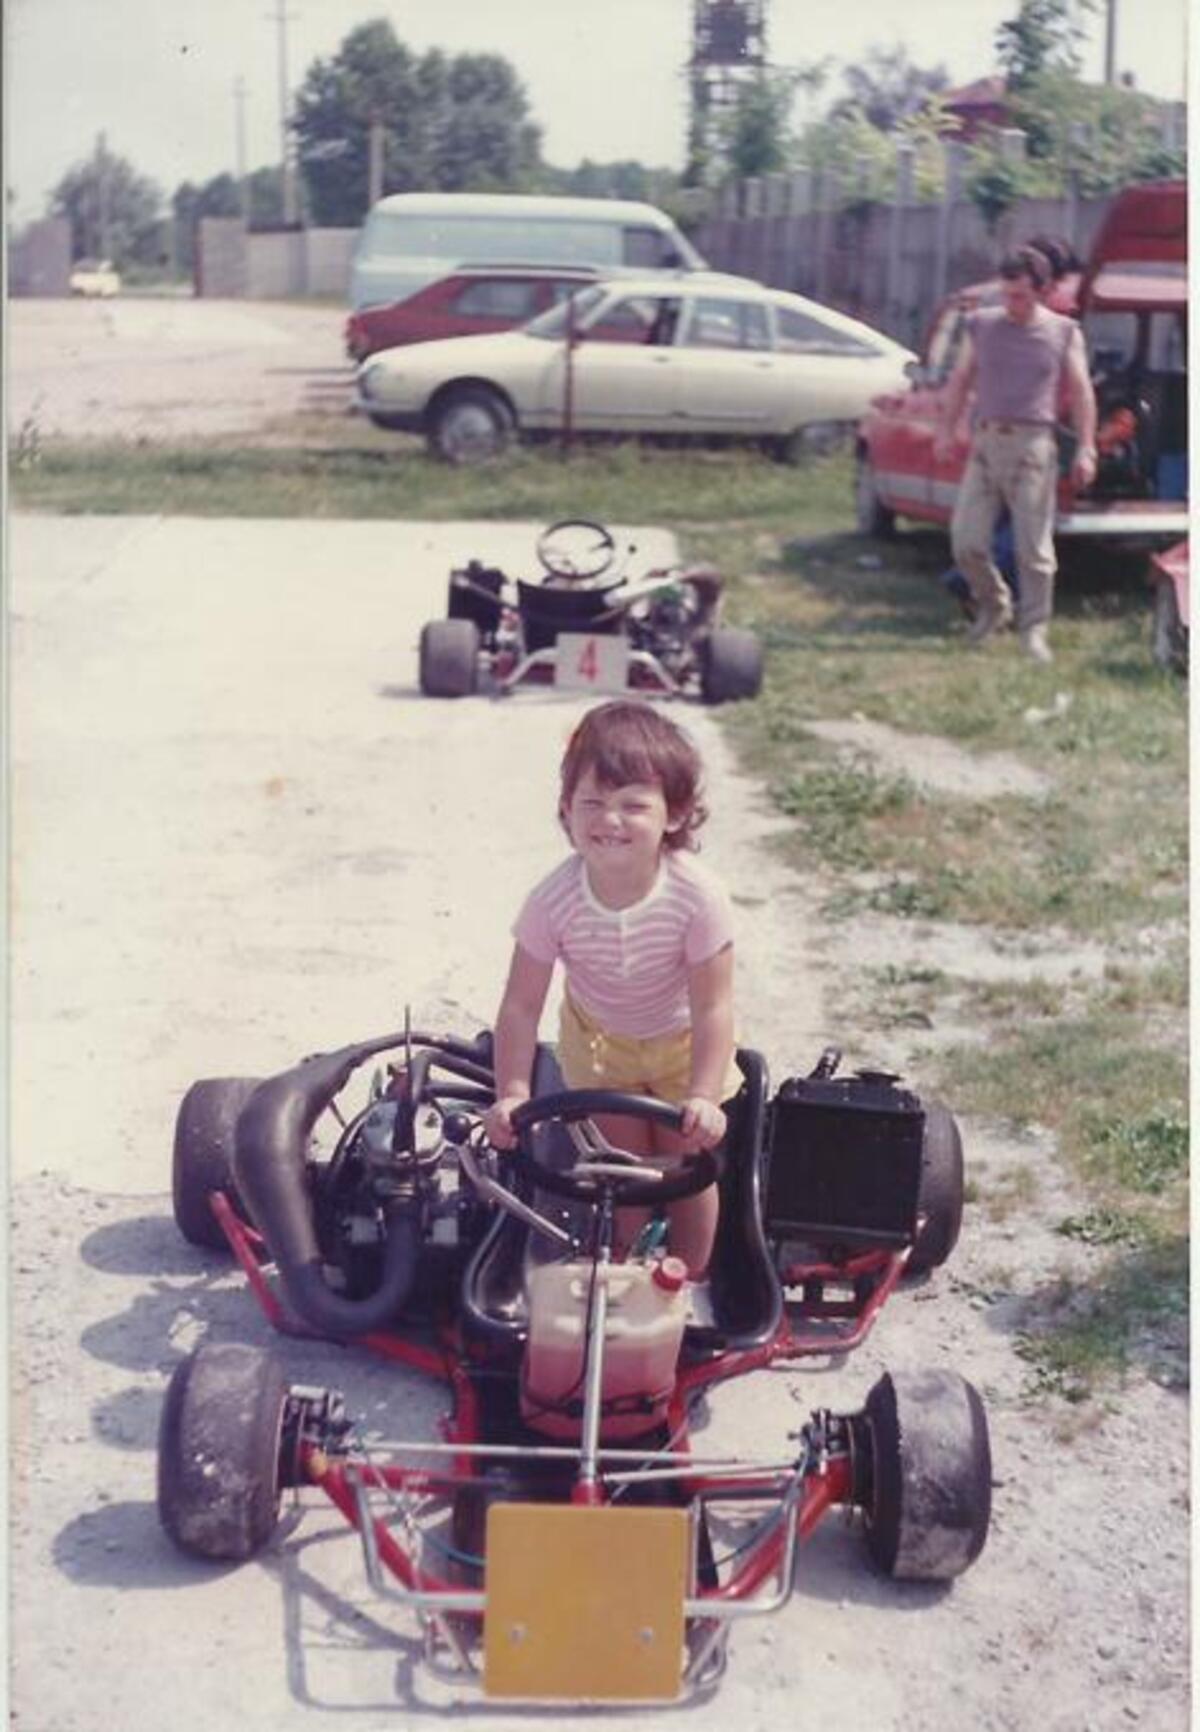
x=658 y=1064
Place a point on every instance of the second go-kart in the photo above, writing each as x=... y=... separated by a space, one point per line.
x=587 y=625
x=563 y=1540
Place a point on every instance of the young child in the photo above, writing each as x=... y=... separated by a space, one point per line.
x=645 y=936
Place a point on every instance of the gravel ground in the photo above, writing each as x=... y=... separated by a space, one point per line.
x=239 y=835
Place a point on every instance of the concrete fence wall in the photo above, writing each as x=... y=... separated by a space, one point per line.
x=886 y=264
x=232 y=261
x=39 y=260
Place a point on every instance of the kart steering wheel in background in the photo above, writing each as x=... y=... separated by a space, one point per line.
x=631 y=1179
x=576 y=550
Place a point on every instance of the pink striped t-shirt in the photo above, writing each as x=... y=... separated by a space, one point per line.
x=628 y=967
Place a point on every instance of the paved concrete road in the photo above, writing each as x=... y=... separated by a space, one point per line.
x=166 y=368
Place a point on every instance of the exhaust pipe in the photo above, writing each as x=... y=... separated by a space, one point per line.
x=271 y=1145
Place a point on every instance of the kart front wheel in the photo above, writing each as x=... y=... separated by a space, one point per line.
x=940 y=1191
x=219 y=1451
x=202 y=1159
x=449 y=658
x=926 y=1480
x=731 y=666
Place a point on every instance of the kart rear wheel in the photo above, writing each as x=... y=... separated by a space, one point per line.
x=731 y=666
x=926 y=1485
x=219 y=1479
x=940 y=1192
x=449 y=658
x=202 y=1160
x=871 y=516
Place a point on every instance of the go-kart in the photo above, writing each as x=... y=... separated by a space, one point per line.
x=587 y=625
x=563 y=1541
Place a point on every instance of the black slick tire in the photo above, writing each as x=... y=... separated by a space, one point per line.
x=448 y=660
x=927 y=1483
x=940 y=1193
x=202 y=1158
x=731 y=666
x=219 y=1451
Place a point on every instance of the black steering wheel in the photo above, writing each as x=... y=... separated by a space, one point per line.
x=576 y=550
x=630 y=1179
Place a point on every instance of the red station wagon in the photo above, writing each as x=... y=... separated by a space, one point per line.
x=1132 y=300
x=475 y=299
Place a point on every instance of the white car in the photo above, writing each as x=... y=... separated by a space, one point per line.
x=698 y=356
x=95 y=277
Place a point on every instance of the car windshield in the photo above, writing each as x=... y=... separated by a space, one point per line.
x=553 y=323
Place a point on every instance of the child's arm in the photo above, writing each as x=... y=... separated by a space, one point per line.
x=515 y=1040
x=710 y=994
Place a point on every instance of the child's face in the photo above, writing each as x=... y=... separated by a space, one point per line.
x=617 y=829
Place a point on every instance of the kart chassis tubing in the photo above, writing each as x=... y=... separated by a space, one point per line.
x=806 y=1488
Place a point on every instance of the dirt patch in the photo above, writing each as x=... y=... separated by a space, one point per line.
x=930 y=761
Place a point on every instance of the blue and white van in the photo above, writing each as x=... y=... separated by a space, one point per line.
x=412 y=239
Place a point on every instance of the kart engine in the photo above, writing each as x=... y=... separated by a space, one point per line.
x=666 y=623
x=390 y=1154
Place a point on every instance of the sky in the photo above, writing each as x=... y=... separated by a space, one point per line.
x=604 y=77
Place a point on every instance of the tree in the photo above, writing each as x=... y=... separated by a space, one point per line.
x=113 y=211
x=886 y=88
x=450 y=123
x=1043 y=37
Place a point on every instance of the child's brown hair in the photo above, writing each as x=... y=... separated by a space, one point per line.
x=623 y=742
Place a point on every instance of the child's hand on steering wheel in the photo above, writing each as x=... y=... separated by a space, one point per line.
x=497 y=1122
x=703 y=1122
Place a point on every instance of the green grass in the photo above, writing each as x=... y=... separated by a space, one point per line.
x=859 y=630
x=354 y=470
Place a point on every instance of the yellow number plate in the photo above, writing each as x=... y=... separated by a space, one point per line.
x=584 y=1604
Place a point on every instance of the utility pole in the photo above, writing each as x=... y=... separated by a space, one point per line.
x=280 y=18
x=102 y=195
x=1110 y=43
x=239 y=116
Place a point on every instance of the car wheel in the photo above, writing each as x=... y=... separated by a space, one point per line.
x=1169 y=637
x=449 y=658
x=871 y=516
x=924 y=1477
x=731 y=666
x=202 y=1160
x=219 y=1449
x=940 y=1192
x=469 y=426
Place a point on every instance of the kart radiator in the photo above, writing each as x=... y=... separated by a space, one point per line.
x=844 y=1161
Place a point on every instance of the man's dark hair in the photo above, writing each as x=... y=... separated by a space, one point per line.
x=1058 y=253
x=1026 y=262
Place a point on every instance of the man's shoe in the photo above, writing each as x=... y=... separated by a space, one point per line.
x=990 y=616
x=1033 y=642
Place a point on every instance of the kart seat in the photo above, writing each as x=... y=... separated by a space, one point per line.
x=547 y=609
x=746 y=1296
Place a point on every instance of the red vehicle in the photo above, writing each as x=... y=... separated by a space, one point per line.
x=1131 y=299
x=473 y=300
x=564 y=1540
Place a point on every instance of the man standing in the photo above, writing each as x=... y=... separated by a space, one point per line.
x=1017 y=356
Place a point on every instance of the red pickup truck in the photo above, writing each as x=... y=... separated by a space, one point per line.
x=1132 y=300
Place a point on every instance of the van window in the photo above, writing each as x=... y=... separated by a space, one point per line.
x=649 y=250
x=945 y=342
x=488 y=240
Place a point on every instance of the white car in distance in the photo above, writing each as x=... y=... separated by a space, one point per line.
x=700 y=356
x=94 y=277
